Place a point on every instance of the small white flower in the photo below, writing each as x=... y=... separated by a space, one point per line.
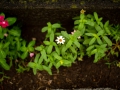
x=60 y=40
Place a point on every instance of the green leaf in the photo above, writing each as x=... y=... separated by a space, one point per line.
x=76 y=22
x=106 y=24
x=98 y=28
x=81 y=26
x=43 y=53
x=40 y=60
x=38 y=48
x=56 y=25
x=66 y=62
x=11 y=20
x=50 y=65
x=44 y=29
x=63 y=50
x=73 y=50
x=58 y=65
x=107 y=31
x=86 y=41
x=82 y=16
x=107 y=40
x=106 y=27
x=96 y=16
x=2 y=14
x=24 y=55
x=75 y=18
x=96 y=58
x=90 y=48
x=89 y=34
x=0 y=29
x=101 y=32
x=4 y=64
x=69 y=44
x=57 y=50
x=31 y=43
x=30 y=49
x=89 y=22
x=47 y=69
x=65 y=34
x=77 y=34
x=101 y=24
x=34 y=71
x=2 y=54
x=94 y=51
x=56 y=56
x=77 y=43
x=92 y=41
x=14 y=32
x=36 y=58
x=99 y=41
x=46 y=42
x=18 y=45
x=24 y=49
x=52 y=36
x=6 y=45
x=49 y=49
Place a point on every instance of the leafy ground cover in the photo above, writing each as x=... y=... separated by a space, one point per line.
x=88 y=57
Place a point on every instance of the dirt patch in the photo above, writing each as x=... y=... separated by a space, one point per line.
x=83 y=74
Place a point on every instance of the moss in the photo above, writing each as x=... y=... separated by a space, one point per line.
x=82 y=2
x=54 y=0
x=73 y=6
x=116 y=1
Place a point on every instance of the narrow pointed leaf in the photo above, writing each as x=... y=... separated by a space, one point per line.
x=4 y=64
x=11 y=20
x=44 y=29
x=52 y=36
x=46 y=42
x=56 y=25
x=92 y=41
x=94 y=51
x=98 y=28
x=56 y=56
x=69 y=44
x=47 y=69
x=99 y=40
x=96 y=16
x=65 y=34
x=90 y=48
x=31 y=43
x=36 y=58
x=49 y=50
x=107 y=40
x=76 y=22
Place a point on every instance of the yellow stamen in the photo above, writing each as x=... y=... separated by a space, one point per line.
x=82 y=11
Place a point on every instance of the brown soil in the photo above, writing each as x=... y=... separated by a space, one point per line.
x=82 y=74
